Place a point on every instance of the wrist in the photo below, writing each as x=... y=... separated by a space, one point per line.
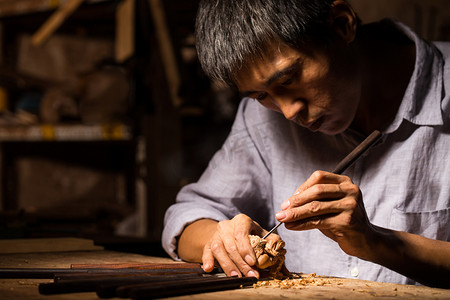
x=385 y=247
x=193 y=239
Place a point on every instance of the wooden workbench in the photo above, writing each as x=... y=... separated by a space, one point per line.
x=336 y=288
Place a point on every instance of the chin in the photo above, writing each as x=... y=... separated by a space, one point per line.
x=333 y=130
x=330 y=132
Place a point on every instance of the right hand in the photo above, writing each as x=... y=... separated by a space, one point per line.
x=230 y=247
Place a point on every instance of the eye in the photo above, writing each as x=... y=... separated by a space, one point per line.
x=261 y=96
x=288 y=81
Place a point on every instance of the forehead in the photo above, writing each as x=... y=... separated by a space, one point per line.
x=260 y=69
x=272 y=53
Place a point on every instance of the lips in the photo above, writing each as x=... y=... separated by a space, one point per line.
x=315 y=125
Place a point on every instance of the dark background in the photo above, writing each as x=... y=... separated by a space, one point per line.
x=116 y=190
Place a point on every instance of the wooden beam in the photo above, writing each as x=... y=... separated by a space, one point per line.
x=125 y=30
x=55 y=20
x=167 y=51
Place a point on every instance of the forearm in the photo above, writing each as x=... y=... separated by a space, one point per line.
x=424 y=260
x=193 y=239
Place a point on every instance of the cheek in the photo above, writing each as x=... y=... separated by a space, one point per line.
x=269 y=104
x=341 y=118
x=336 y=124
x=342 y=103
x=345 y=90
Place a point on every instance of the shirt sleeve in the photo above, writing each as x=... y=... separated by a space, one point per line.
x=236 y=181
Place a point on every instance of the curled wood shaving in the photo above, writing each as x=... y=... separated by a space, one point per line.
x=294 y=282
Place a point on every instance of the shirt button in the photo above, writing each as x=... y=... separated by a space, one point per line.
x=354 y=272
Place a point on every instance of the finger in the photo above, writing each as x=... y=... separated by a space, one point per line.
x=245 y=249
x=230 y=244
x=273 y=237
x=318 y=177
x=308 y=224
x=322 y=214
x=207 y=259
x=258 y=230
x=337 y=222
x=309 y=210
x=348 y=202
x=318 y=192
x=220 y=254
x=244 y=226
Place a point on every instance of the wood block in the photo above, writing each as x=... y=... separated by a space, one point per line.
x=125 y=30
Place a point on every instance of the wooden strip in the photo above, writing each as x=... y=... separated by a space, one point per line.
x=167 y=52
x=70 y=273
x=137 y=266
x=357 y=152
x=84 y=276
x=125 y=32
x=91 y=284
x=184 y=287
x=55 y=20
x=123 y=273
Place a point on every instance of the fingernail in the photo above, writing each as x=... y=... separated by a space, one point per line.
x=249 y=260
x=206 y=266
x=280 y=216
x=234 y=273
x=252 y=274
x=285 y=205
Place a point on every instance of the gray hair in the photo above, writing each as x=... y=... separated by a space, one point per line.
x=230 y=33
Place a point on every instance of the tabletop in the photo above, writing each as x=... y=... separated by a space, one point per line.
x=314 y=287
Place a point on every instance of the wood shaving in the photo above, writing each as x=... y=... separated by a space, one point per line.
x=294 y=282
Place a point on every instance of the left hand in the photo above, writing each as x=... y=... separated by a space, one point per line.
x=334 y=205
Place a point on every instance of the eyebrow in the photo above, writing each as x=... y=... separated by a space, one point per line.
x=277 y=75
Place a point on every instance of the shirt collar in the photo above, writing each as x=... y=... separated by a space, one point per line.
x=421 y=104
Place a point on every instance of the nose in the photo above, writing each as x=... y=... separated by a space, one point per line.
x=290 y=108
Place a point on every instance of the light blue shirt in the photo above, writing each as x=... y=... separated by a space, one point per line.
x=405 y=179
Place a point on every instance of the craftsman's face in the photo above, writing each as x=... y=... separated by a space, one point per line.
x=317 y=90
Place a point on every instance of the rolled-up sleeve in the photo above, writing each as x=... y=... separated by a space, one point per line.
x=236 y=180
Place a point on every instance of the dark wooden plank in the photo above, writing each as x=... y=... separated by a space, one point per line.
x=62 y=274
x=185 y=287
x=137 y=266
x=91 y=284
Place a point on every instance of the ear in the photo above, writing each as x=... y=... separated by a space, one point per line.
x=343 y=20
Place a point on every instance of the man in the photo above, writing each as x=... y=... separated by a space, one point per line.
x=315 y=83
